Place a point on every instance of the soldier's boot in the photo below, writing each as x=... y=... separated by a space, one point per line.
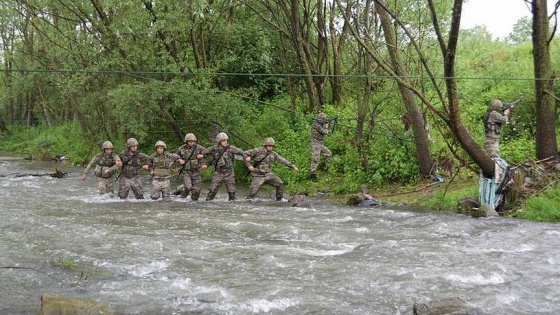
x=185 y=193
x=279 y=194
x=231 y=196
x=195 y=195
x=211 y=195
x=313 y=177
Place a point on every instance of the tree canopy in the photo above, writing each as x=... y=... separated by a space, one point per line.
x=408 y=85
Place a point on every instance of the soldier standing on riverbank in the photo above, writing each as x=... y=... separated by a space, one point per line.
x=493 y=121
x=106 y=162
x=319 y=129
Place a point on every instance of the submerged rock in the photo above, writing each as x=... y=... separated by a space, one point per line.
x=299 y=200
x=362 y=200
x=448 y=306
x=54 y=304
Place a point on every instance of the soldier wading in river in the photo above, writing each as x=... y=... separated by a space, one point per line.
x=160 y=166
x=222 y=156
x=106 y=162
x=132 y=161
x=261 y=168
x=191 y=154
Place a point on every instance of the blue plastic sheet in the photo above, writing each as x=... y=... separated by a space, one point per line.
x=489 y=189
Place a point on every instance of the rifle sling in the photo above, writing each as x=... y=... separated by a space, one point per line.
x=188 y=159
x=257 y=163
x=220 y=156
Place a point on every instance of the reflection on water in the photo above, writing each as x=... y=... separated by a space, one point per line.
x=220 y=257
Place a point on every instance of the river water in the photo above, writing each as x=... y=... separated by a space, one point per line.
x=260 y=257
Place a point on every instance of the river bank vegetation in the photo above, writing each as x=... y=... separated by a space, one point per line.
x=409 y=87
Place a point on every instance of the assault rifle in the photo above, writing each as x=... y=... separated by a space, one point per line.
x=327 y=120
x=512 y=104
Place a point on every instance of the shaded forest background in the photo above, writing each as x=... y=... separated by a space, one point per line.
x=409 y=87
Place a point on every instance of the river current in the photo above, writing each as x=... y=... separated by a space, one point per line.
x=260 y=257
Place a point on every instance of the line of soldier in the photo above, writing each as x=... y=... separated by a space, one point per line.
x=193 y=158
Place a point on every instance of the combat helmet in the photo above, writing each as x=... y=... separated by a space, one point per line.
x=495 y=105
x=107 y=145
x=269 y=141
x=190 y=137
x=131 y=142
x=221 y=136
x=321 y=116
x=161 y=144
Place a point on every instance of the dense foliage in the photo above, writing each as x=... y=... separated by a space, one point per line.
x=77 y=73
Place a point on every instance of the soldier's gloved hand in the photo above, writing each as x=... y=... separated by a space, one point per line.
x=251 y=168
x=506 y=112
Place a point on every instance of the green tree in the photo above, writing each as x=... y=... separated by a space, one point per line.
x=544 y=82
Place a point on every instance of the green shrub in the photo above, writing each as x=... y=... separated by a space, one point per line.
x=545 y=208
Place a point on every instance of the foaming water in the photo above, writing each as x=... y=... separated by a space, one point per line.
x=259 y=257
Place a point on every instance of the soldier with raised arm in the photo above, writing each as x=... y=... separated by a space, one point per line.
x=222 y=157
x=261 y=168
x=106 y=162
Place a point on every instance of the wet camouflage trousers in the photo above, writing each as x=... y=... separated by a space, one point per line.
x=126 y=184
x=161 y=187
x=270 y=178
x=191 y=184
x=318 y=149
x=105 y=185
x=492 y=146
x=220 y=178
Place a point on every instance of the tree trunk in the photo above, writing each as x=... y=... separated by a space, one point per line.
x=454 y=122
x=43 y=102
x=302 y=53
x=544 y=83
x=82 y=119
x=421 y=141
x=337 y=47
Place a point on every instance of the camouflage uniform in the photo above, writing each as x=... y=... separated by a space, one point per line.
x=223 y=159
x=493 y=121
x=191 y=169
x=160 y=166
x=105 y=178
x=130 y=179
x=319 y=129
x=262 y=162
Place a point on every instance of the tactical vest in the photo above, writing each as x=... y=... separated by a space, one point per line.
x=263 y=162
x=316 y=135
x=106 y=161
x=190 y=153
x=130 y=167
x=161 y=165
x=491 y=128
x=223 y=160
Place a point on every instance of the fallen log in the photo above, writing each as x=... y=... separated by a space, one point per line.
x=57 y=174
